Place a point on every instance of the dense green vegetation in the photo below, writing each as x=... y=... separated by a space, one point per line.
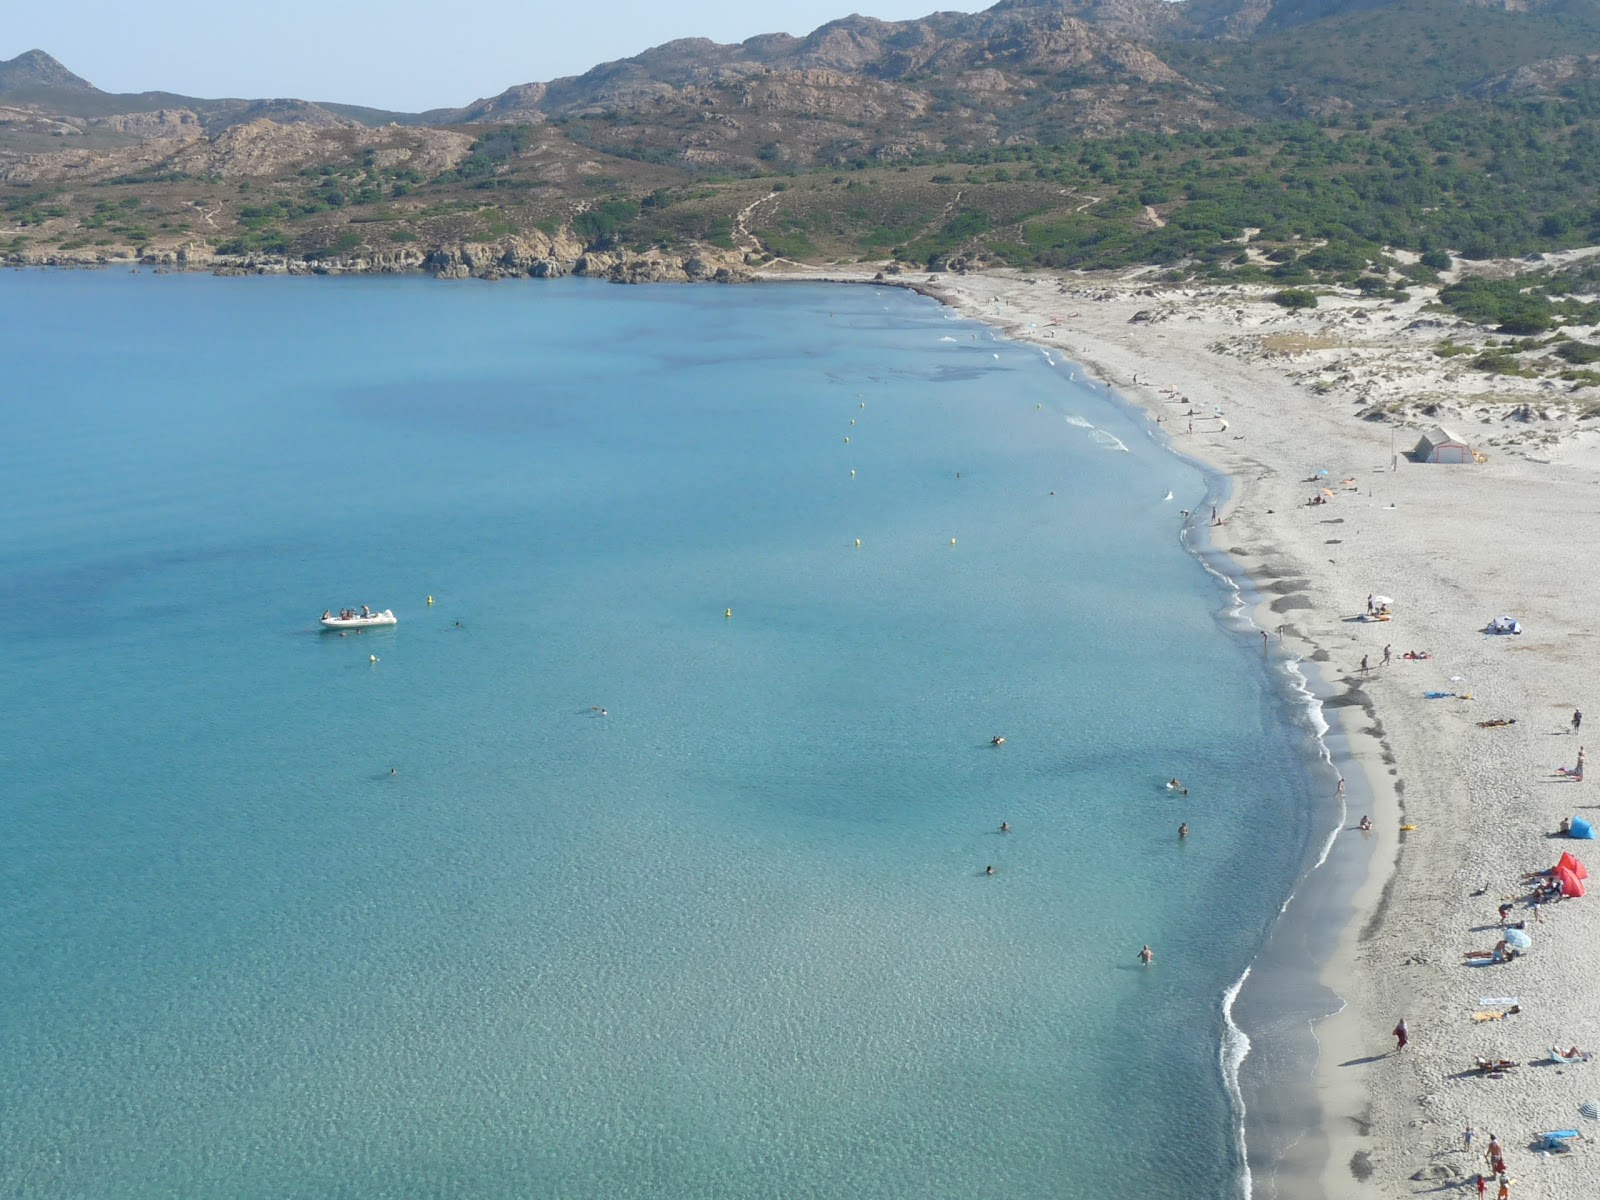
x=1316 y=199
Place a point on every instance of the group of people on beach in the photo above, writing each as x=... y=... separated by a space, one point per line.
x=1495 y=1157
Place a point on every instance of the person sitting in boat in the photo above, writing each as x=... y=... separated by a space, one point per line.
x=365 y=611
x=328 y=615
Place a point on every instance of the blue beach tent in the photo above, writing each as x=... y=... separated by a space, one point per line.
x=1582 y=829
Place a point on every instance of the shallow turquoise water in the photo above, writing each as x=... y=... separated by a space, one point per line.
x=732 y=939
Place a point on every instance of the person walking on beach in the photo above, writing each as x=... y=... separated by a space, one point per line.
x=1505 y=911
x=1364 y=667
x=1505 y=1189
x=1483 y=1184
x=1467 y=1135
x=1386 y=654
x=1577 y=719
x=1494 y=1153
x=1401 y=1036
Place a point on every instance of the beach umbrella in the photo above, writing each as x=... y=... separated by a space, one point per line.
x=1518 y=938
x=1382 y=601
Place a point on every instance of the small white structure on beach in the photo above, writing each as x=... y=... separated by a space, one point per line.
x=1439 y=445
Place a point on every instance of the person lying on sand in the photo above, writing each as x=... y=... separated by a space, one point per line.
x=1501 y=953
x=1496 y=1014
x=1497 y=723
x=1570 y=1054
x=1417 y=655
x=1490 y=1065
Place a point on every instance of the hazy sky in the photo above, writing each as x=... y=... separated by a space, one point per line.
x=406 y=55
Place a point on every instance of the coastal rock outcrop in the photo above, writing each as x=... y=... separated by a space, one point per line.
x=664 y=266
x=543 y=256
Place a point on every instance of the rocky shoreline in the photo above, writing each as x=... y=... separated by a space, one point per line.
x=537 y=257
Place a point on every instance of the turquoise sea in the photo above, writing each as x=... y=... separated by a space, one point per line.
x=290 y=914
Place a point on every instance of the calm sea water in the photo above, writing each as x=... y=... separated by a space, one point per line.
x=731 y=939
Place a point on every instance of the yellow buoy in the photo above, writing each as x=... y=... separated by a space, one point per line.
x=430 y=599
x=858 y=543
x=952 y=541
x=728 y=613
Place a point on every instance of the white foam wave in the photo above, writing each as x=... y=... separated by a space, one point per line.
x=1235 y=1049
x=947 y=338
x=1109 y=440
x=1074 y=419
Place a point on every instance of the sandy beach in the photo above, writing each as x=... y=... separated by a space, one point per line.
x=1463 y=806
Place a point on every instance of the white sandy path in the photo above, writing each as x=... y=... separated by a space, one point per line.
x=1454 y=546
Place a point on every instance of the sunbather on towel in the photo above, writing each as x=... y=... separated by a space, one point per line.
x=1570 y=1054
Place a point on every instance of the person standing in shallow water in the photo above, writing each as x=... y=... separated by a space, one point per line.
x=1147 y=956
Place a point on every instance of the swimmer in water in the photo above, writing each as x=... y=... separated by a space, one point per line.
x=1183 y=830
x=1147 y=956
x=997 y=740
x=1005 y=826
x=988 y=870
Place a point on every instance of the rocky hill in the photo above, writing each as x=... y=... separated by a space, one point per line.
x=1154 y=130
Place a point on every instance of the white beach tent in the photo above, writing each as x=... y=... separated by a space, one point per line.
x=1439 y=445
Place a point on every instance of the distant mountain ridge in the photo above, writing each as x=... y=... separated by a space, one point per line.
x=1019 y=69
